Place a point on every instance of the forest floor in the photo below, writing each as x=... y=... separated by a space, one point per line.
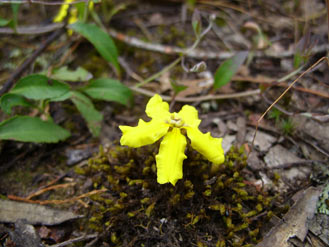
x=90 y=191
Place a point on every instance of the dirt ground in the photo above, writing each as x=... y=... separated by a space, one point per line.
x=90 y=191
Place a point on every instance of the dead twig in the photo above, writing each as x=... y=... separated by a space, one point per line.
x=43 y=2
x=166 y=49
x=53 y=187
x=9 y=83
x=285 y=91
x=199 y=98
x=290 y=165
x=32 y=29
x=327 y=3
x=316 y=147
x=73 y=199
x=74 y=240
x=201 y=54
x=272 y=82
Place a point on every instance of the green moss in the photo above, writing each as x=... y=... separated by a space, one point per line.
x=208 y=206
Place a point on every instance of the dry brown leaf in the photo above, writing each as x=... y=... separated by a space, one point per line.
x=295 y=222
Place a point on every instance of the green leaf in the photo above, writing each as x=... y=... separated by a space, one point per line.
x=65 y=74
x=88 y=111
x=100 y=39
x=63 y=97
x=4 y=22
x=298 y=59
x=228 y=68
x=109 y=90
x=10 y=100
x=31 y=129
x=40 y=87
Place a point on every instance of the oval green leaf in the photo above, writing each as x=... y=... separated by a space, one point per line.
x=65 y=74
x=40 y=87
x=10 y=100
x=31 y=129
x=109 y=90
x=228 y=68
x=88 y=111
x=4 y=22
x=101 y=41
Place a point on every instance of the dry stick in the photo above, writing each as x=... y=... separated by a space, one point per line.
x=319 y=149
x=9 y=83
x=270 y=82
x=32 y=29
x=73 y=240
x=54 y=181
x=285 y=91
x=132 y=41
x=327 y=2
x=201 y=54
x=53 y=187
x=43 y=2
x=200 y=98
x=182 y=99
x=290 y=165
x=73 y=199
x=146 y=92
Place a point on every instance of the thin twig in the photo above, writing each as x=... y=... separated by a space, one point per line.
x=200 y=98
x=166 y=49
x=201 y=54
x=290 y=165
x=316 y=147
x=43 y=2
x=285 y=91
x=272 y=82
x=327 y=3
x=32 y=29
x=53 y=187
x=9 y=83
x=73 y=199
x=73 y=240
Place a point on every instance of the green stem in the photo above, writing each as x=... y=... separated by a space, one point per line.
x=85 y=13
x=164 y=70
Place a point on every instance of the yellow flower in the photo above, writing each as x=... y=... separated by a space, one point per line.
x=62 y=13
x=172 y=127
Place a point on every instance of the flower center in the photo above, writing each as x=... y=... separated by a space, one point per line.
x=176 y=121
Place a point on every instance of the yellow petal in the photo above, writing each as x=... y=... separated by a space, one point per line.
x=144 y=133
x=190 y=116
x=207 y=145
x=157 y=109
x=62 y=11
x=73 y=16
x=169 y=161
x=91 y=5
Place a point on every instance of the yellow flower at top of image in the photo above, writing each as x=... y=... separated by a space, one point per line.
x=172 y=127
x=62 y=13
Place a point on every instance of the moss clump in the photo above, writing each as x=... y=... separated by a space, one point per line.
x=210 y=206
